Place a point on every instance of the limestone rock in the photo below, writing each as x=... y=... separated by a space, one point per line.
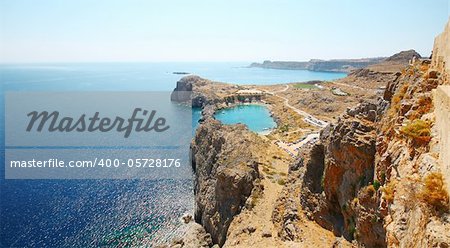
x=225 y=171
x=194 y=237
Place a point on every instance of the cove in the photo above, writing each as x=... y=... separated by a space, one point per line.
x=256 y=117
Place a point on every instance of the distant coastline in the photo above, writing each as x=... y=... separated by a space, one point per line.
x=335 y=65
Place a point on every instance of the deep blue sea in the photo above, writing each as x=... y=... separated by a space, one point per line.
x=92 y=213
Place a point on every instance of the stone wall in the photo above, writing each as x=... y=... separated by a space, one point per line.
x=442 y=112
x=441 y=63
x=441 y=53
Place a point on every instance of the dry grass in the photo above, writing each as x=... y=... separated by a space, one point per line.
x=423 y=106
x=255 y=197
x=389 y=191
x=399 y=96
x=369 y=191
x=424 y=68
x=418 y=130
x=434 y=192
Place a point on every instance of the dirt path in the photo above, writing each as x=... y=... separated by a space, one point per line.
x=292 y=149
x=307 y=117
x=254 y=228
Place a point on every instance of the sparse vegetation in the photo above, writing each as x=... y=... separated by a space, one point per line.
x=399 y=96
x=344 y=207
x=418 y=130
x=256 y=196
x=434 y=192
x=284 y=128
x=369 y=191
x=281 y=181
x=376 y=185
x=305 y=86
x=383 y=177
x=352 y=231
x=389 y=191
x=374 y=219
x=424 y=68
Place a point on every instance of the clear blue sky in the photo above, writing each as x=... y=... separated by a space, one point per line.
x=227 y=30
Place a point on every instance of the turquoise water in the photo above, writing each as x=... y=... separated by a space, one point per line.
x=93 y=213
x=256 y=117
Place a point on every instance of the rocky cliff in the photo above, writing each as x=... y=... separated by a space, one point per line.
x=380 y=181
x=335 y=177
x=374 y=178
x=225 y=173
x=187 y=91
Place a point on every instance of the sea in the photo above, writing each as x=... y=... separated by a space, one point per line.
x=113 y=213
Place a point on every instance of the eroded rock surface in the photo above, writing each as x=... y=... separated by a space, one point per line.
x=225 y=171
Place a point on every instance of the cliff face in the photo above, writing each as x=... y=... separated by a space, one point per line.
x=186 y=92
x=375 y=176
x=337 y=177
x=225 y=172
x=381 y=181
x=416 y=214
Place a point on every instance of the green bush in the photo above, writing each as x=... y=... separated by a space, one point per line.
x=376 y=185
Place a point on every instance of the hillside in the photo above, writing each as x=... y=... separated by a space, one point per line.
x=376 y=176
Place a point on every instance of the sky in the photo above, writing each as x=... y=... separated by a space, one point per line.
x=212 y=30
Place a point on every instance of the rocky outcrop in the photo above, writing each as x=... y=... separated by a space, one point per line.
x=373 y=165
x=194 y=237
x=405 y=158
x=337 y=173
x=396 y=62
x=225 y=173
x=404 y=56
x=185 y=91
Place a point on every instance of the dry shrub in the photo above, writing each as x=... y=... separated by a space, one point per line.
x=418 y=130
x=255 y=197
x=399 y=96
x=434 y=192
x=368 y=192
x=389 y=191
x=424 y=68
x=425 y=105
